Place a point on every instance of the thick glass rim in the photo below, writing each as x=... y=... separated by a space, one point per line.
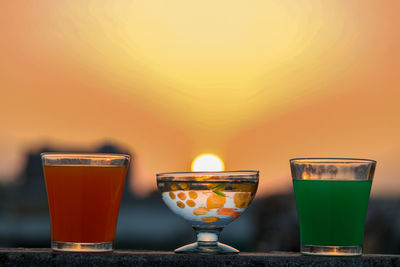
x=214 y=175
x=332 y=160
x=57 y=155
x=332 y=169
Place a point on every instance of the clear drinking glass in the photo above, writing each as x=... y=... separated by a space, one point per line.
x=332 y=197
x=208 y=201
x=84 y=193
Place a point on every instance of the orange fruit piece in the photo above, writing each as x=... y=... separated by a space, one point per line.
x=174 y=186
x=180 y=204
x=200 y=211
x=242 y=200
x=243 y=187
x=182 y=196
x=209 y=185
x=228 y=211
x=172 y=195
x=191 y=203
x=209 y=219
x=184 y=186
x=192 y=194
x=235 y=214
x=215 y=201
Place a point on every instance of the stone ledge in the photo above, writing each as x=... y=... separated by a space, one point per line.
x=45 y=257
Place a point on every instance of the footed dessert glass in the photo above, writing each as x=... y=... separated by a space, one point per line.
x=208 y=201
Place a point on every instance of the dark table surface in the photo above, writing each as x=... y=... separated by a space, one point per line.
x=46 y=257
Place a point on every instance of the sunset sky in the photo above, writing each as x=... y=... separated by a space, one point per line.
x=254 y=82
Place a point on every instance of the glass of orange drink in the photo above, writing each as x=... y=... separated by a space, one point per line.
x=84 y=194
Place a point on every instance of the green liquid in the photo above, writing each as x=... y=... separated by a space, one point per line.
x=332 y=213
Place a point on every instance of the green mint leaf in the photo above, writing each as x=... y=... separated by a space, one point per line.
x=219 y=193
x=219 y=187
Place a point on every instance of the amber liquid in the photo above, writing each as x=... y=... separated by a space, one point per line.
x=84 y=201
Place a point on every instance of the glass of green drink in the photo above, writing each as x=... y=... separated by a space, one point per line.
x=332 y=199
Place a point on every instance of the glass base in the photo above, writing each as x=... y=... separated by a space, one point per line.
x=82 y=247
x=331 y=250
x=207 y=248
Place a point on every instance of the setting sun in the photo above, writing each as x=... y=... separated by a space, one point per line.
x=207 y=162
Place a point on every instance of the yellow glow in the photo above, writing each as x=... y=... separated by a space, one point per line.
x=239 y=58
x=207 y=162
x=232 y=77
x=305 y=176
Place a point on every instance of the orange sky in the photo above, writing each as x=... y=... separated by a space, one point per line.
x=254 y=82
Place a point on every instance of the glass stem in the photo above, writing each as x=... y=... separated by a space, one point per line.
x=207 y=237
